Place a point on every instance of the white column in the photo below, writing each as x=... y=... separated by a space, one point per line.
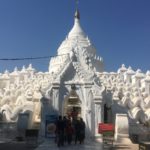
x=99 y=113
x=56 y=103
x=17 y=79
x=128 y=78
x=88 y=98
x=147 y=85
x=138 y=81
x=7 y=81
x=122 y=129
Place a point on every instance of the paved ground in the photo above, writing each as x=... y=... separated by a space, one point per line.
x=126 y=147
x=15 y=146
x=88 y=145
x=48 y=144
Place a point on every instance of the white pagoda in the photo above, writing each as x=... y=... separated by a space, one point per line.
x=76 y=81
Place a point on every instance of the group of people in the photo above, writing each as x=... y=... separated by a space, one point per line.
x=69 y=129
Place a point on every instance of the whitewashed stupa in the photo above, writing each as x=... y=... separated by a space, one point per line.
x=76 y=80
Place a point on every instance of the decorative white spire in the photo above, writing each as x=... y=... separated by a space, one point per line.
x=76 y=31
x=139 y=74
x=77 y=44
x=122 y=69
x=75 y=37
x=77 y=14
x=130 y=71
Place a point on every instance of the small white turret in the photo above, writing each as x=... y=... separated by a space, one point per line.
x=122 y=69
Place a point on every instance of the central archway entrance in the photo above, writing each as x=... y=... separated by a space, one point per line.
x=72 y=105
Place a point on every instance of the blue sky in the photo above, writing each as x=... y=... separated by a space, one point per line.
x=119 y=29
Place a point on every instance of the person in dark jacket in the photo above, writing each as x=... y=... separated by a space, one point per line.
x=77 y=130
x=65 y=120
x=82 y=131
x=60 y=131
x=69 y=132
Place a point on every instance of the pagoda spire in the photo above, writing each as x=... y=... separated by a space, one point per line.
x=77 y=13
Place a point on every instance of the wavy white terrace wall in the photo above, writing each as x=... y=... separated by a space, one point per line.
x=131 y=90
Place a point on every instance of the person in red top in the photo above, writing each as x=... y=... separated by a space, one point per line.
x=69 y=131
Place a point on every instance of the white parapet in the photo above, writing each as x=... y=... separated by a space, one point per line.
x=122 y=129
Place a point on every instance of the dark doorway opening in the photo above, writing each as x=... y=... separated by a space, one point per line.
x=107 y=114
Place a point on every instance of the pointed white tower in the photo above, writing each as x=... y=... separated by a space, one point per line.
x=77 y=44
x=76 y=31
x=76 y=37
